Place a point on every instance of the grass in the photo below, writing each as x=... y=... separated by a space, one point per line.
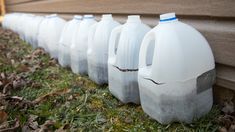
x=88 y=107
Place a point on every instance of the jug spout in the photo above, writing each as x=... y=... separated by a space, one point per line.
x=88 y=16
x=133 y=18
x=77 y=17
x=107 y=17
x=168 y=17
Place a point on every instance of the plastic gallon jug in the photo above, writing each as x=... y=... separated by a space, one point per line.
x=176 y=72
x=33 y=29
x=97 y=53
x=78 y=48
x=52 y=30
x=42 y=37
x=69 y=30
x=22 y=25
x=123 y=59
x=27 y=28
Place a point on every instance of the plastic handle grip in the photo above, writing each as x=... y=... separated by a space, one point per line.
x=150 y=36
x=113 y=40
x=91 y=36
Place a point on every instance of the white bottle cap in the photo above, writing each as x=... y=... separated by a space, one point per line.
x=78 y=17
x=168 y=17
x=107 y=17
x=88 y=16
x=133 y=18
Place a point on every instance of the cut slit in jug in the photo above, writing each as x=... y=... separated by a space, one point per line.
x=123 y=59
x=78 y=48
x=176 y=72
x=97 y=53
x=65 y=42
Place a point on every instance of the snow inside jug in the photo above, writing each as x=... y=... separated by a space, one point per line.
x=176 y=72
x=97 y=53
x=123 y=59
x=78 y=49
x=33 y=29
x=69 y=30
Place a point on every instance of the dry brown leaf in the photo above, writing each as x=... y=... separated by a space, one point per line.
x=57 y=92
x=12 y=129
x=3 y=116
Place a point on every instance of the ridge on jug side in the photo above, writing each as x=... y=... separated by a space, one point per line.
x=176 y=72
x=124 y=46
x=97 y=53
x=65 y=42
x=78 y=49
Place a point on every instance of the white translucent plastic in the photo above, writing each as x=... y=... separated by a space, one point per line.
x=27 y=28
x=124 y=46
x=22 y=25
x=97 y=53
x=32 y=31
x=172 y=56
x=65 y=42
x=49 y=34
x=78 y=48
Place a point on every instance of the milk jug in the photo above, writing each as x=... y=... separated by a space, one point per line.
x=176 y=72
x=124 y=46
x=78 y=48
x=66 y=39
x=33 y=29
x=97 y=53
x=42 y=37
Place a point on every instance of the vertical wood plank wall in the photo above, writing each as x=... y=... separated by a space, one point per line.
x=215 y=19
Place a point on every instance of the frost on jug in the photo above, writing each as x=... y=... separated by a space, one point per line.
x=49 y=34
x=78 y=48
x=123 y=59
x=176 y=72
x=69 y=30
x=97 y=53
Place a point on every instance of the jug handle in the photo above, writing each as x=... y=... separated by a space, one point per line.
x=91 y=36
x=112 y=41
x=143 y=51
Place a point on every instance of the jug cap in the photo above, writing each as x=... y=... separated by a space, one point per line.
x=168 y=17
x=52 y=15
x=107 y=17
x=88 y=16
x=78 y=17
x=133 y=18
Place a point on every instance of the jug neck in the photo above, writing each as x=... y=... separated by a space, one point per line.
x=107 y=17
x=168 y=17
x=133 y=19
x=77 y=17
x=51 y=16
x=87 y=17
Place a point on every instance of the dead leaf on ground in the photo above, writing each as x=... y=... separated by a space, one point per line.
x=57 y=92
x=3 y=116
x=12 y=129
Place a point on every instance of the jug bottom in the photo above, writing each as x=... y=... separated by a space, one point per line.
x=166 y=107
x=79 y=66
x=124 y=85
x=98 y=73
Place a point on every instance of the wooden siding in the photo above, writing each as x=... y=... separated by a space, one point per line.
x=215 y=19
